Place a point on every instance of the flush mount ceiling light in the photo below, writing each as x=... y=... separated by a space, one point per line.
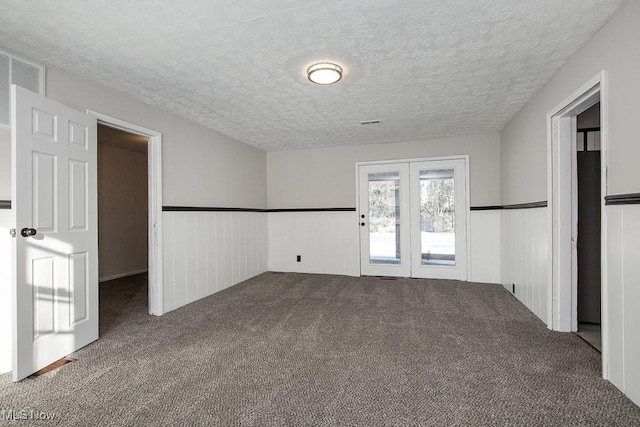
x=324 y=73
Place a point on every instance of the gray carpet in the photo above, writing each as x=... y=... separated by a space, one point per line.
x=295 y=349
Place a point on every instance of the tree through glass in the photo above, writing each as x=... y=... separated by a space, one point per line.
x=384 y=218
x=437 y=217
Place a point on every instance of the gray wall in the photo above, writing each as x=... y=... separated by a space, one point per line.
x=524 y=177
x=524 y=139
x=200 y=167
x=325 y=177
x=122 y=209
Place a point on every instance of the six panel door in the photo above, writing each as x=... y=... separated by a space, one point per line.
x=54 y=191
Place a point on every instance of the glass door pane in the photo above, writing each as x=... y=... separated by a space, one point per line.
x=384 y=218
x=437 y=217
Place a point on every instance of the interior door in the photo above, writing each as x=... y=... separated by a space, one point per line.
x=439 y=219
x=384 y=220
x=54 y=194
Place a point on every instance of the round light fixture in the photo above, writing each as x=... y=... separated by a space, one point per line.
x=324 y=73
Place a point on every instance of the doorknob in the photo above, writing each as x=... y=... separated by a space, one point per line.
x=362 y=224
x=26 y=232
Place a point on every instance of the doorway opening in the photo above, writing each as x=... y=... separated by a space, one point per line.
x=589 y=223
x=122 y=210
x=153 y=226
x=578 y=244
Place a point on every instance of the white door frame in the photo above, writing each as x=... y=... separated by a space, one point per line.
x=465 y=157
x=562 y=212
x=156 y=283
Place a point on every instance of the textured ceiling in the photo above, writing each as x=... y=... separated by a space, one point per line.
x=425 y=68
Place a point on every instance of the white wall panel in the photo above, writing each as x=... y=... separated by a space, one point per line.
x=524 y=257
x=631 y=299
x=623 y=298
x=205 y=252
x=485 y=230
x=5 y=291
x=615 y=297
x=326 y=241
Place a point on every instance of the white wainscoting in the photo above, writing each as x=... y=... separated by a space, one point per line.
x=524 y=257
x=206 y=252
x=6 y=320
x=327 y=242
x=485 y=231
x=623 y=298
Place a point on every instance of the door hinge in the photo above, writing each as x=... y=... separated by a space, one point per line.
x=13 y=232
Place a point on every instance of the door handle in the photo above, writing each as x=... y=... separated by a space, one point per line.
x=26 y=232
x=362 y=224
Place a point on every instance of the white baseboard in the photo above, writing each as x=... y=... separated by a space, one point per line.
x=120 y=275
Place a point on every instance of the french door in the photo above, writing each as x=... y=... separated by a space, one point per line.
x=384 y=220
x=413 y=219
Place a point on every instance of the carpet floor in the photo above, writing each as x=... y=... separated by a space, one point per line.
x=299 y=349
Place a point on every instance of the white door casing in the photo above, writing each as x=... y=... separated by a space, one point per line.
x=562 y=291
x=55 y=272
x=154 y=167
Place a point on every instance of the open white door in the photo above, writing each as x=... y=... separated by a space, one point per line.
x=55 y=250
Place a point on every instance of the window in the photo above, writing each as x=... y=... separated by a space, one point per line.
x=15 y=70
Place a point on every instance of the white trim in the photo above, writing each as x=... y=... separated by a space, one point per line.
x=121 y=275
x=604 y=166
x=419 y=159
x=156 y=283
x=468 y=215
x=561 y=311
x=574 y=224
x=358 y=218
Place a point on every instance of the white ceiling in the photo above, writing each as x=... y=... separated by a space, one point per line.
x=425 y=68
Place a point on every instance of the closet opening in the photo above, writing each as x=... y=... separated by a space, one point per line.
x=588 y=243
x=123 y=215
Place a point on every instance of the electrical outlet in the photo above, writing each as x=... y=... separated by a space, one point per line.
x=298 y=258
